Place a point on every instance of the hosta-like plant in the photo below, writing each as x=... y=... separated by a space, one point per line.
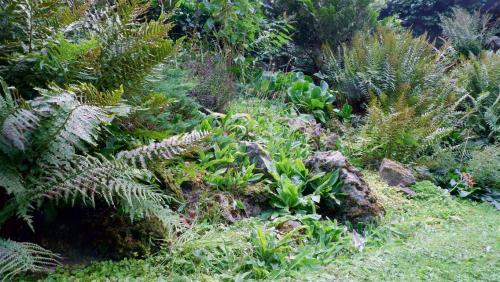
x=312 y=99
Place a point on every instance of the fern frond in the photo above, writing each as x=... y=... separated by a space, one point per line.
x=67 y=125
x=164 y=150
x=88 y=178
x=16 y=122
x=16 y=257
x=10 y=179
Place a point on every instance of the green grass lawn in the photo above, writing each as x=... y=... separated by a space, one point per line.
x=449 y=240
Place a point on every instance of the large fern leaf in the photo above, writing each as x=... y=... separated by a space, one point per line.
x=16 y=257
x=164 y=150
x=88 y=178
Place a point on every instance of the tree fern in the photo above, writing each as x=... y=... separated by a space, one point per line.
x=18 y=257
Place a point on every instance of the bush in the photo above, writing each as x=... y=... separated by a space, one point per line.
x=423 y=15
x=485 y=167
x=468 y=32
x=478 y=84
x=319 y=22
x=402 y=134
x=388 y=65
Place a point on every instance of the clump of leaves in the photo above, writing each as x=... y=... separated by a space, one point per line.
x=312 y=99
x=468 y=31
x=386 y=64
x=401 y=134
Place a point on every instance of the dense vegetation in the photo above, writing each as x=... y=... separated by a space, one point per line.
x=234 y=140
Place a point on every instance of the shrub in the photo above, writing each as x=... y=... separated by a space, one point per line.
x=423 y=15
x=319 y=22
x=485 y=167
x=478 y=81
x=468 y=32
x=402 y=133
x=385 y=64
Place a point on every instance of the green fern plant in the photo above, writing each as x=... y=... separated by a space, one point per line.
x=401 y=134
x=479 y=91
x=18 y=257
x=386 y=64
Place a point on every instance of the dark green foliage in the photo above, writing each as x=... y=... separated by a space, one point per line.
x=319 y=22
x=423 y=15
x=386 y=64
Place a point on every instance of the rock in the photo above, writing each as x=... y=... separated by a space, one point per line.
x=307 y=126
x=395 y=174
x=330 y=141
x=357 y=201
x=407 y=191
x=288 y=226
x=258 y=156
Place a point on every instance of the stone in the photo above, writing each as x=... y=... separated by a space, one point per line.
x=330 y=141
x=494 y=43
x=307 y=126
x=357 y=202
x=396 y=174
x=407 y=191
x=258 y=156
x=287 y=226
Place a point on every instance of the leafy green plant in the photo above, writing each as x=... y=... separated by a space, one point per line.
x=401 y=134
x=312 y=99
x=484 y=167
x=468 y=32
x=480 y=94
x=461 y=183
x=386 y=64
x=272 y=85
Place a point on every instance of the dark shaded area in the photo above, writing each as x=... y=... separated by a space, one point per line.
x=82 y=235
x=423 y=15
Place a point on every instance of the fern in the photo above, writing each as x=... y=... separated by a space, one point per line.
x=18 y=257
x=87 y=177
x=385 y=63
x=163 y=150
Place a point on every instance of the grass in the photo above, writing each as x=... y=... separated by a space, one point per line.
x=449 y=240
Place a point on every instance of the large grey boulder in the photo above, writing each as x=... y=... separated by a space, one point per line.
x=396 y=174
x=357 y=202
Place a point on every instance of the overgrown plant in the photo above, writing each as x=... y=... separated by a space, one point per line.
x=403 y=133
x=386 y=64
x=468 y=31
x=48 y=152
